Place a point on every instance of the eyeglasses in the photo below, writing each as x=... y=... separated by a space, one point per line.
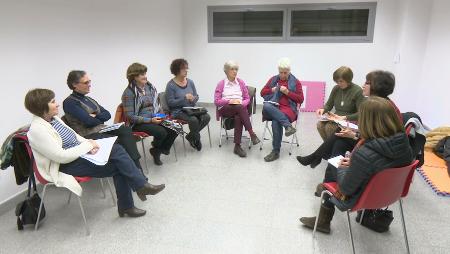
x=367 y=83
x=85 y=82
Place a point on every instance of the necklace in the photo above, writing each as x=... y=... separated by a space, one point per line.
x=342 y=99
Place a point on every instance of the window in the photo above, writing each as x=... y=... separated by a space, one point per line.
x=334 y=22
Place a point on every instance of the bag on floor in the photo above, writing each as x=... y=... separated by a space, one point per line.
x=377 y=220
x=27 y=210
x=228 y=123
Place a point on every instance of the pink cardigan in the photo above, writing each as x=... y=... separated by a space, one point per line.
x=220 y=102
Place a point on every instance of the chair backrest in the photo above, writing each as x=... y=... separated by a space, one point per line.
x=252 y=104
x=35 y=170
x=386 y=187
x=119 y=116
x=163 y=102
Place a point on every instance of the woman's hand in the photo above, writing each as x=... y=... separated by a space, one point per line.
x=189 y=97
x=284 y=90
x=346 y=133
x=235 y=102
x=93 y=115
x=156 y=120
x=344 y=163
x=319 y=112
x=95 y=146
x=274 y=89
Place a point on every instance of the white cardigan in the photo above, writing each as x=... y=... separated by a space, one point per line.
x=46 y=145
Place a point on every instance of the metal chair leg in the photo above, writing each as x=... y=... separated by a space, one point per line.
x=318 y=212
x=220 y=132
x=145 y=155
x=263 y=136
x=111 y=191
x=184 y=144
x=209 y=135
x=175 y=152
x=40 y=208
x=350 y=230
x=404 y=225
x=103 y=187
x=84 y=216
x=290 y=145
x=70 y=196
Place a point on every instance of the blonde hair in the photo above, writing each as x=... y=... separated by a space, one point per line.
x=229 y=65
x=378 y=119
x=284 y=63
x=344 y=73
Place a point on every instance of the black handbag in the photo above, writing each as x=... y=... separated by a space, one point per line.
x=195 y=111
x=27 y=210
x=377 y=220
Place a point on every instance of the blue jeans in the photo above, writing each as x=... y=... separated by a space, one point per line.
x=120 y=166
x=279 y=120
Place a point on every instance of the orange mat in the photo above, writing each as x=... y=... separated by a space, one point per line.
x=434 y=172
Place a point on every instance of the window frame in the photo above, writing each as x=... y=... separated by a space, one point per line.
x=287 y=10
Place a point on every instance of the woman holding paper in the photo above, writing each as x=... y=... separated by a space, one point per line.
x=181 y=92
x=344 y=98
x=231 y=98
x=87 y=117
x=383 y=145
x=141 y=107
x=57 y=150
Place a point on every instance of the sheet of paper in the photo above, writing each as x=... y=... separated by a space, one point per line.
x=335 y=160
x=193 y=107
x=347 y=124
x=102 y=155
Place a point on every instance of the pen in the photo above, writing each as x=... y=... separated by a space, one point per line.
x=347 y=154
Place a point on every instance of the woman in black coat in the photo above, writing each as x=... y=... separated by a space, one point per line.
x=383 y=145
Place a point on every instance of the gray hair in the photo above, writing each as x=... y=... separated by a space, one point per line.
x=229 y=65
x=284 y=63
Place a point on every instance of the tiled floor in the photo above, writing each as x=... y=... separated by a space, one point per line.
x=216 y=202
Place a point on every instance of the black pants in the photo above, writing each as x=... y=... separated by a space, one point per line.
x=196 y=124
x=340 y=146
x=124 y=137
x=163 y=138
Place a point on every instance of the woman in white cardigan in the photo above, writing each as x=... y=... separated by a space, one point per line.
x=57 y=150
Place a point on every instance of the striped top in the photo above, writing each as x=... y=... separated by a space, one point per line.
x=69 y=139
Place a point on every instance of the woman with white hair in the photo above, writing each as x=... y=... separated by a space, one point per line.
x=231 y=98
x=282 y=94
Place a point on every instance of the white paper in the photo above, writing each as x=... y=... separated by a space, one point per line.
x=111 y=127
x=347 y=124
x=272 y=102
x=101 y=157
x=335 y=160
x=192 y=107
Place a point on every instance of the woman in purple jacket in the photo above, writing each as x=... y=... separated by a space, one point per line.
x=231 y=98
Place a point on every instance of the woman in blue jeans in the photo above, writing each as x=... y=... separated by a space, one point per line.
x=57 y=150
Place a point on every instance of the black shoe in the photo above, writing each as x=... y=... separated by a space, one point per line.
x=272 y=156
x=239 y=151
x=306 y=160
x=156 y=156
x=316 y=162
x=191 y=141
x=165 y=152
x=149 y=189
x=132 y=212
x=198 y=145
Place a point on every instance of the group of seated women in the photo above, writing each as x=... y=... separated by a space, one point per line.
x=57 y=144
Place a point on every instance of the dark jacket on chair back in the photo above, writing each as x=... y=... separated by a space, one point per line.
x=372 y=157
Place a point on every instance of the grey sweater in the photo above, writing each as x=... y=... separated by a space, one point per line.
x=176 y=96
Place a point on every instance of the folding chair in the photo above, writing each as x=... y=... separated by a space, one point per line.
x=251 y=107
x=294 y=139
x=165 y=107
x=47 y=183
x=384 y=188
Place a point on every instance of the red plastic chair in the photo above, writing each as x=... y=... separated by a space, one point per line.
x=47 y=183
x=140 y=136
x=384 y=188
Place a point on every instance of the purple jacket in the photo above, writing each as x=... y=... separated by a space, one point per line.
x=220 y=102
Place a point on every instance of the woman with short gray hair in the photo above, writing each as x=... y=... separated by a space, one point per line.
x=231 y=98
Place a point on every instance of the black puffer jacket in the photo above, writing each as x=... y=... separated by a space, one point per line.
x=372 y=157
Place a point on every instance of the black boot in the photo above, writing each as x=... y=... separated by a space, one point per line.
x=325 y=217
x=132 y=212
x=156 y=153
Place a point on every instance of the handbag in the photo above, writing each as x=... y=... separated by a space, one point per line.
x=27 y=210
x=194 y=111
x=377 y=220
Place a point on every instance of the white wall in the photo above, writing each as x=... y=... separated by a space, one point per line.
x=258 y=61
x=41 y=41
x=433 y=87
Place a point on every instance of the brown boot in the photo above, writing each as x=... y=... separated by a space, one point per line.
x=255 y=140
x=149 y=189
x=239 y=151
x=132 y=212
x=325 y=217
x=319 y=189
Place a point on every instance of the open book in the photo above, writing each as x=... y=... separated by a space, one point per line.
x=102 y=155
x=196 y=107
x=111 y=127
